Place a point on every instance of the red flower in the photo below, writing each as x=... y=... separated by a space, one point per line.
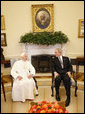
x=47 y=107
x=43 y=102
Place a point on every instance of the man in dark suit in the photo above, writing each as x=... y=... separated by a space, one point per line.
x=62 y=70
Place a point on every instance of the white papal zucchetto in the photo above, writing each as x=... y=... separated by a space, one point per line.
x=24 y=53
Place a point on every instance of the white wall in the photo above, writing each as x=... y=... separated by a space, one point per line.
x=18 y=21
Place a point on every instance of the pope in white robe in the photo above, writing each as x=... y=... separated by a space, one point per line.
x=23 y=86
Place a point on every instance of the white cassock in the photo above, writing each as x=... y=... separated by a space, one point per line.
x=22 y=89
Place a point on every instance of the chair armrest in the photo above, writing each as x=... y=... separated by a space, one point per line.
x=11 y=76
x=11 y=80
x=73 y=73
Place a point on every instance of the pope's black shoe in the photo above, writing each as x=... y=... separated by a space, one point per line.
x=57 y=97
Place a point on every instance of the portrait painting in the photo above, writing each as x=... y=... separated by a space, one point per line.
x=3 y=39
x=42 y=18
x=81 y=28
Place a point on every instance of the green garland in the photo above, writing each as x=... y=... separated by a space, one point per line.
x=44 y=38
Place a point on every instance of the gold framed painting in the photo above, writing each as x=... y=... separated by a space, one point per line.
x=81 y=28
x=3 y=39
x=2 y=23
x=43 y=18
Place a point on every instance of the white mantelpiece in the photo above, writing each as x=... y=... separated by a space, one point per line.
x=32 y=49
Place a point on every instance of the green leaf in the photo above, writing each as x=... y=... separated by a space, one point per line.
x=44 y=38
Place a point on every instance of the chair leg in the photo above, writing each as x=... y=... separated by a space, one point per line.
x=35 y=83
x=3 y=91
x=52 y=91
x=76 y=88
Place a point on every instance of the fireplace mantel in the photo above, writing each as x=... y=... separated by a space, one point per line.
x=33 y=49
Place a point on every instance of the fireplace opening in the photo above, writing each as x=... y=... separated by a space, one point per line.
x=42 y=63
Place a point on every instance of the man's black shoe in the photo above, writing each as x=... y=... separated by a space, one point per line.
x=57 y=97
x=67 y=102
x=37 y=94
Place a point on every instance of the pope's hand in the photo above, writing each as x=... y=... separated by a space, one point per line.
x=29 y=76
x=20 y=77
x=56 y=74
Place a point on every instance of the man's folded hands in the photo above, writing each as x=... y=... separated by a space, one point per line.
x=56 y=74
x=69 y=73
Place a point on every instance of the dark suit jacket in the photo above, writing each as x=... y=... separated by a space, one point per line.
x=56 y=66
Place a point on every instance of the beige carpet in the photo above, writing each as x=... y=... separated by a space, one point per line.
x=76 y=105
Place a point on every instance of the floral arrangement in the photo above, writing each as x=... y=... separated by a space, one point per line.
x=47 y=107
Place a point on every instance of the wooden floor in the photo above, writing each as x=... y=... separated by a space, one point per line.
x=76 y=105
